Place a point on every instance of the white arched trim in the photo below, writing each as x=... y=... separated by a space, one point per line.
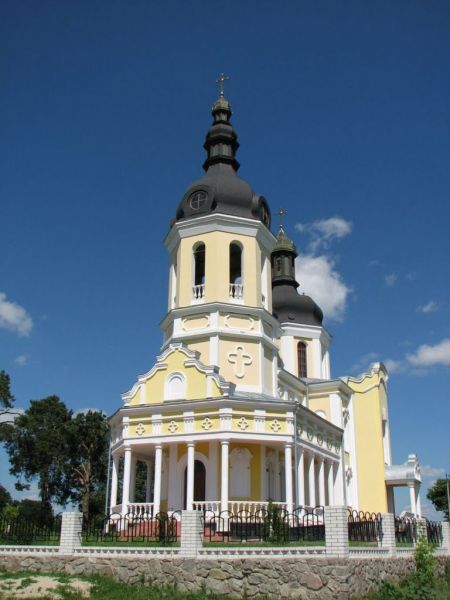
x=175 y=386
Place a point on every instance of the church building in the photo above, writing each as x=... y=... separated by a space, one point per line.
x=241 y=406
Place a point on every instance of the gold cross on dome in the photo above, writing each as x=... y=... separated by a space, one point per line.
x=282 y=213
x=220 y=81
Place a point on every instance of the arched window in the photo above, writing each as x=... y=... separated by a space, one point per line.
x=301 y=359
x=198 y=288
x=236 y=286
x=175 y=387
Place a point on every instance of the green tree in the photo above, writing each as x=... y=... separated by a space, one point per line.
x=87 y=460
x=6 y=398
x=5 y=498
x=37 y=447
x=438 y=496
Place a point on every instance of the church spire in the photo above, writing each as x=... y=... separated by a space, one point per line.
x=221 y=140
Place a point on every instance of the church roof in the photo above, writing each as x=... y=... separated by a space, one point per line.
x=221 y=190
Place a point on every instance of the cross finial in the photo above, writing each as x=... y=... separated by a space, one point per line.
x=220 y=81
x=281 y=213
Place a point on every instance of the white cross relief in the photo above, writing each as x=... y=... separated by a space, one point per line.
x=241 y=359
x=140 y=429
x=172 y=427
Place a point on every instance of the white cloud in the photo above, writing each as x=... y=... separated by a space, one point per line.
x=14 y=317
x=391 y=279
x=21 y=360
x=429 y=307
x=363 y=362
x=393 y=366
x=428 y=471
x=323 y=231
x=319 y=279
x=429 y=356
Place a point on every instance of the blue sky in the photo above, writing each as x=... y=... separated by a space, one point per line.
x=343 y=115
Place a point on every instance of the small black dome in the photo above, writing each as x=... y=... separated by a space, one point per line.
x=287 y=304
x=290 y=306
x=221 y=190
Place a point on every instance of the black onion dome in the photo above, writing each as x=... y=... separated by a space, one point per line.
x=287 y=304
x=221 y=190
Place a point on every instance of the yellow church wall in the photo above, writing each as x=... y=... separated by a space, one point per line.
x=228 y=370
x=217 y=244
x=201 y=346
x=369 y=444
x=322 y=404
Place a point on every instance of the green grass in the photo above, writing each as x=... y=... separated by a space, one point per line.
x=105 y=588
x=132 y=544
x=246 y=545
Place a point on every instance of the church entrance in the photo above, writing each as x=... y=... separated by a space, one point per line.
x=199 y=482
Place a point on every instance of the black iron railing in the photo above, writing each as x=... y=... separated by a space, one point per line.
x=434 y=532
x=271 y=525
x=405 y=530
x=364 y=526
x=116 y=529
x=46 y=529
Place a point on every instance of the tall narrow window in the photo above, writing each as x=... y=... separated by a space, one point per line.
x=301 y=359
x=198 y=288
x=236 y=287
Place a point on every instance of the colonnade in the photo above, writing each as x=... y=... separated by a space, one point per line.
x=308 y=478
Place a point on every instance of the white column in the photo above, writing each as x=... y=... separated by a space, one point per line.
x=126 y=480
x=148 y=481
x=224 y=484
x=114 y=480
x=288 y=476
x=190 y=475
x=133 y=479
x=311 y=481
x=418 y=503
x=212 y=476
x=172 y=487
x=321 y=477
x=276 y=475
x=300 y=477
x=157 y=480
x=412 y=496
x=263 y=475
x=317 y=359
x=330 y=482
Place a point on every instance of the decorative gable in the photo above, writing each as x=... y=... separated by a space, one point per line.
x=177 y=375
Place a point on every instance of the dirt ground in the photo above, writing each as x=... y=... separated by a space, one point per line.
x=42 y=586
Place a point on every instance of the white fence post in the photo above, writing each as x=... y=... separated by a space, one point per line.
x=71 y=525
x=336 y=530
x=446 y=536
x=388 y=532
x=191 y=532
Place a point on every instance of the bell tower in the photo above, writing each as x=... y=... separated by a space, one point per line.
x=220 y=290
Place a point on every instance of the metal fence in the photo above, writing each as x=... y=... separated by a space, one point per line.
x=364 y=526
x=46 y=529
x=405 y=530
x=434 y=532
x=161 y=528
x=271 y=525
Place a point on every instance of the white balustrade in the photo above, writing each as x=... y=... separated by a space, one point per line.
x=235 y=506
x=198 y=292
x=236 y=291
x=142 y=510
